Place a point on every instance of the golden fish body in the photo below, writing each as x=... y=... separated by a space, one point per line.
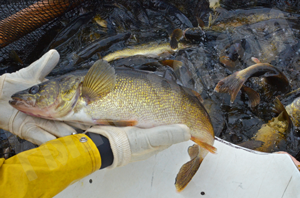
x=151 y=101
x=293 y=110
x=153 y=49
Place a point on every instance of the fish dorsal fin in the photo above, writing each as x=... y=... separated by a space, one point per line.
x=99 y=81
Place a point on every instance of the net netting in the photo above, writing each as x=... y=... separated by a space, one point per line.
x=24 y=22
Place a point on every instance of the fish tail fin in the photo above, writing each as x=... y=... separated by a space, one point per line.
x=189 y=169
x=231 y=84
x=204 y=145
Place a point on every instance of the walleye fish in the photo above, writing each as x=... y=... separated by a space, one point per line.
x=233 y=83
x=275 y=131
x=121 y=97
x=152 y=49
x=293 y=110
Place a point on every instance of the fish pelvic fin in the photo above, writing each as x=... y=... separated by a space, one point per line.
x=189 y=169
x=99 y=81
x=253 y=96
x=119 y=123
x=204 y=145
x=231 y=84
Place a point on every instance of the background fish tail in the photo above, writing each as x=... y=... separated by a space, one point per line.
x=231 y=84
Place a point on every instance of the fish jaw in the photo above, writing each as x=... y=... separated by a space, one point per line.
x=29 y=108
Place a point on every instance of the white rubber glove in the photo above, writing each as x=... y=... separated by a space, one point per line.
x=131 y=144
x=35 y=130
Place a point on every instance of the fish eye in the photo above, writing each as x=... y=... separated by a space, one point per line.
x=34 y=89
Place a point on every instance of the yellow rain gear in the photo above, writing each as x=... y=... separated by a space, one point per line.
x=47 y=170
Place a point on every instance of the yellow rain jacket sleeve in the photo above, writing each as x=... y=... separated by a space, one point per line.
x=47 y=170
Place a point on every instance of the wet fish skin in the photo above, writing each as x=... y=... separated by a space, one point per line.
x=275 y=131
x=233 y=83
x=152 y=49
x=121 y=97
x=293 y=110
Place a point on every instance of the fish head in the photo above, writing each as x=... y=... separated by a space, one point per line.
x=51 y=99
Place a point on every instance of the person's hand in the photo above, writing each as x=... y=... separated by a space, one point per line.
x=35 y=130
x=130 y=144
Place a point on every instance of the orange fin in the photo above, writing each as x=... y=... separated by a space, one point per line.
x=200 y=22
x=253 y=96
x=208 y=147
x=198 y=96
x=119 y=123
x=189 y=169
x=175 y=64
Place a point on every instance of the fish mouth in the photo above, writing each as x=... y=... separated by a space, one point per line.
x=16 y=101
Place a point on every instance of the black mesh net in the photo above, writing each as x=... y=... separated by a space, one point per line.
x=24 y=23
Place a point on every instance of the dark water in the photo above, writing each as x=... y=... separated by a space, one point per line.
x=267 y=30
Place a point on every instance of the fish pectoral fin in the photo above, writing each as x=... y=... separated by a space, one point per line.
x=204 y=145
x=119 y=123
x=189 y=169
x=99 y=81
x=253 y=96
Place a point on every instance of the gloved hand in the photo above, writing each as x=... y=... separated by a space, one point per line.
x=130 y=144
x=35 y=130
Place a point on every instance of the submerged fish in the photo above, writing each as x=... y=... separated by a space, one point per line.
x=153 y=49
x=233 y=83
x=121 y=97
x=293 y=110
x=275 y=131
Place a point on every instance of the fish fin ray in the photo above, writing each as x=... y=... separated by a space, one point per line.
x=204 y=145
x=198 y=96
x=119 y=123
x=189 y=169
x=231 y=84
x=99 y=80
x=281 y=110
x=253 y=96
